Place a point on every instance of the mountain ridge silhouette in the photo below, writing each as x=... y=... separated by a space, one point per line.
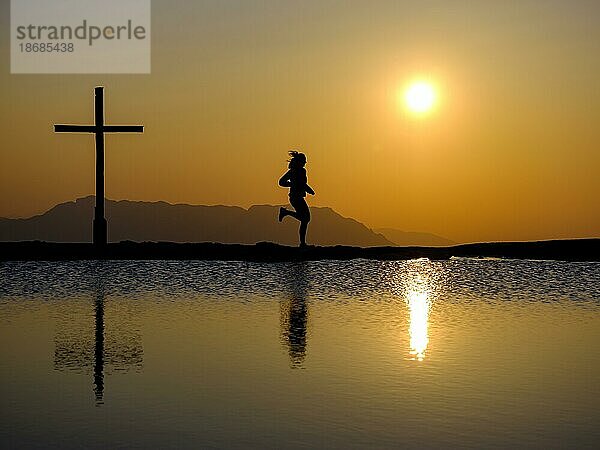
x=141 y=221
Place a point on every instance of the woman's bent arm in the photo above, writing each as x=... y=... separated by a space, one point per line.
x=284 y=181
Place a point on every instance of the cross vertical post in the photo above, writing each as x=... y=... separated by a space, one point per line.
x=100 y=227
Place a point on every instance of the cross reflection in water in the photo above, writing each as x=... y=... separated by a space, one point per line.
x=115 y=345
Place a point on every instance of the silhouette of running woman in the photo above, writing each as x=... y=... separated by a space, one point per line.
x=295 y=179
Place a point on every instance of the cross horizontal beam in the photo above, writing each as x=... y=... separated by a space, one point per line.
x=74 y=129
x=101 y=129
x=123 y=128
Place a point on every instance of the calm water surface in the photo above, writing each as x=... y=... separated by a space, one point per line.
x=414 y=354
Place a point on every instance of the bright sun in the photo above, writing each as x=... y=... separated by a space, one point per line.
x=420 y=97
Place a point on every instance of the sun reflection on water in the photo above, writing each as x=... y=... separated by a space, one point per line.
x=418 y=282
x=418 y=306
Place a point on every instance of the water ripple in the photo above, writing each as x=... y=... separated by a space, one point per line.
x=454 y=280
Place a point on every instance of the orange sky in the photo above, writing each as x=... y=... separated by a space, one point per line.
x=512 y=151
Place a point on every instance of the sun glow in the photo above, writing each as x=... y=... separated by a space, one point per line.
x=420 y=97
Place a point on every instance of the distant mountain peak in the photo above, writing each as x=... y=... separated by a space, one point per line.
x=414 y=238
